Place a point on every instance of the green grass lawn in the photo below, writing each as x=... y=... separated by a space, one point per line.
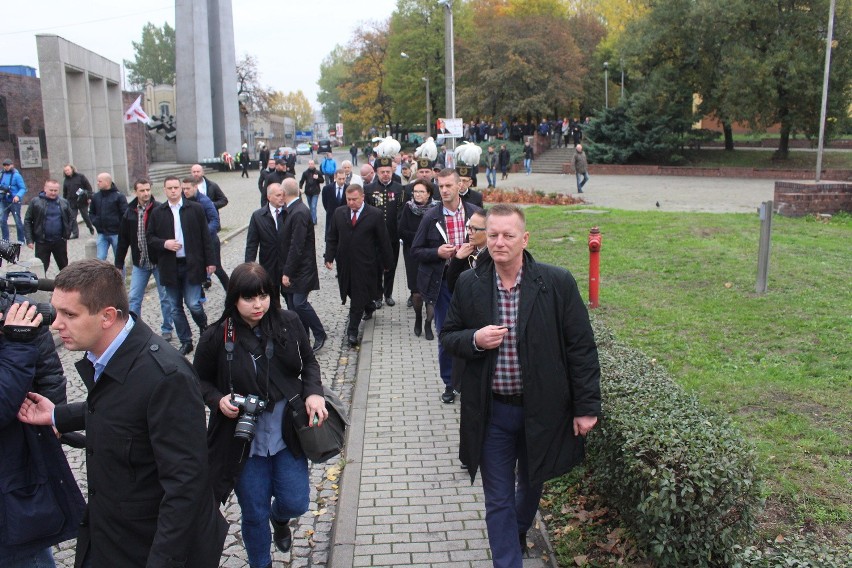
x=681 y=287
x=763 y=158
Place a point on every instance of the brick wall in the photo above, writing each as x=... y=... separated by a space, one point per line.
x=136 y=141
x=795 y=199
x=21 y=115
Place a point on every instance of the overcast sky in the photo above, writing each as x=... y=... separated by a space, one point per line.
x=289 y=38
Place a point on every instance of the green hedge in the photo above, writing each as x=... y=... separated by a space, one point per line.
x=682 y=477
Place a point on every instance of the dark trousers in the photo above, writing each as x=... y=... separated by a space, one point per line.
x=59 y=250
x=385 y=278
x=445 y=360
x=309 y=318
x=84 y=211
x=220 y=272
x=510 y=501
x=355 y=315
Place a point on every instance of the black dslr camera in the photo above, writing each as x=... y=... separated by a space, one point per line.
x=251 y=407
x=15 y=283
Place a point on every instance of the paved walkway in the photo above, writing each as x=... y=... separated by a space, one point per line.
x=399 y=498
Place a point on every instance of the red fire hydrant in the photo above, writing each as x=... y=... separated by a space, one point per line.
x=594 y=265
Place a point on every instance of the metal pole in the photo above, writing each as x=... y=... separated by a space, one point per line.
x=449 y=64
x=824 y=111
x=622 y=79
x=428 y=108
x=606 y=84
x=765 y=212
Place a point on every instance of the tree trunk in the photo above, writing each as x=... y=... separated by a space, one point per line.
x=783 y=151
x=729 y=136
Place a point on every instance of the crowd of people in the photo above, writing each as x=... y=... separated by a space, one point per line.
x=156 y=467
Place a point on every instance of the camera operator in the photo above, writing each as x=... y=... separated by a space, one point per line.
x=150 y=502
x=45 y=505
x=253 y=357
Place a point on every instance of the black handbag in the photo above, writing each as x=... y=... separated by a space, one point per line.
x=320 y=443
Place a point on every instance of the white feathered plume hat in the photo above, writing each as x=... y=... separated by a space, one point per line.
x=386 y=151
x=467 y=157
x=426 y=154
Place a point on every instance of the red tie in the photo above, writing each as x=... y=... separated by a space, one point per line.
x=354 y=217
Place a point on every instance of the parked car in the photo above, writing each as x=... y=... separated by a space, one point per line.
x=303 y=149
x=324 y=146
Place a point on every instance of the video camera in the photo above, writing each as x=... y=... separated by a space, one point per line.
x=13 y=284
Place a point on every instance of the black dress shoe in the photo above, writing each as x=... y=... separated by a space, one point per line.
x=448 y=396
x=318 y=344
x=410 y=302
x=377 y=304
x=390 y=301
x=185 y=348
x=522 y=537
x=353 y=340
x=367 y=316
x=282 y=536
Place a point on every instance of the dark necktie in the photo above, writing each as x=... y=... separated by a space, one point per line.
x=354 y=217
x=278 y=218
x=339 y=193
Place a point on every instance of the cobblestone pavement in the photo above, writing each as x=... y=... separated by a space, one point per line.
x=399 y=498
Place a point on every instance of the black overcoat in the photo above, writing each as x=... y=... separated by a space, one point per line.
x=197 y=241
x=263 y=243
x=359 y=251
x=330 y=202
x=150 y=499
x=300 y=249
x=558 y=358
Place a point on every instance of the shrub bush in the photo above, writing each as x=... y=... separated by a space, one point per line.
x=798 y=552
x=682 y=477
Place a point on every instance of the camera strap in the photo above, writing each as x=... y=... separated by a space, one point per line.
x=230 y=337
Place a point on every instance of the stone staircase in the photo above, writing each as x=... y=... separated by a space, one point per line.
x=551 y=161
x=159 y=171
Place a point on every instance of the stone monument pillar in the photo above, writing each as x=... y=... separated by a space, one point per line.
x=206 y=80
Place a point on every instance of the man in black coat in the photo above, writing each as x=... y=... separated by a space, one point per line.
x=278 y=175
x=334 y=196
x=209 y=188
x=150 y=499
x=77 y=191
x=106 y=210
x=48 y=225
x=388 y=196
x=531 y=379
x=261 y=180
x=263 y=239
x=184 y=257
x=358 y=242
x=299 y=264
x=441 y=234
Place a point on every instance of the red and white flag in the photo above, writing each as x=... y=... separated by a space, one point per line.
x=135 y=113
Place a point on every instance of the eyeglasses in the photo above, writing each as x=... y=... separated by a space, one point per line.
x=474 y=229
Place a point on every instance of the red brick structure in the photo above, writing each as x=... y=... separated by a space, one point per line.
x=21 y=115
x=797 y=199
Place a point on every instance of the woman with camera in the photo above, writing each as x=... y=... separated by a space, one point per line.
x=254 y=362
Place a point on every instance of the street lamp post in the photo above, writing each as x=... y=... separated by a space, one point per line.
x=606 y=84
x=622 y=79
x=824 y=108
x=428 y=99
x=449 y=63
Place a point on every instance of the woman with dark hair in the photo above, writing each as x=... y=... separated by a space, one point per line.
x=254 y=362
x=420 y=202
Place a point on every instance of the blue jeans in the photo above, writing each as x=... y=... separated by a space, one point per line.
x=185 y=292
x=312 y=203
x=308 y=316
x=41 y=559
x=445 y=359
x=582 y=178
x=509 y=508
x=528 y=165
x=104 y=242
x=138 y=282
x=282 y=477
x=15 y=208
x=491 y=176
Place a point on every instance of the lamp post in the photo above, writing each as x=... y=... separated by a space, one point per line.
x=606 y=84
x=449 y=62
x=824 y=108
x=622 y=78
x=428 y=99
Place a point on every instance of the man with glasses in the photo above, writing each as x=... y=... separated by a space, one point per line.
x=468 y=254
x=441 y=234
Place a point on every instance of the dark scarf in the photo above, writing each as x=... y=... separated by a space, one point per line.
x=418 y=209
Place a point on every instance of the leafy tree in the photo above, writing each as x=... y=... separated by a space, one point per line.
x=366 y=101
x=154 y=56
x=253 y=97
x=295 y=105
x=334 y=71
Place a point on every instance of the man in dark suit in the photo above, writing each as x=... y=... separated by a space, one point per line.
x=264 y=234
x=388 y=196
x=359 y=243
x=333 y=196
x=209 y=188
x=299 y=274
x=178 y=237
x=150 y=498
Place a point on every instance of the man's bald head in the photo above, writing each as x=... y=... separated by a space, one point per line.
x=291 y=187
